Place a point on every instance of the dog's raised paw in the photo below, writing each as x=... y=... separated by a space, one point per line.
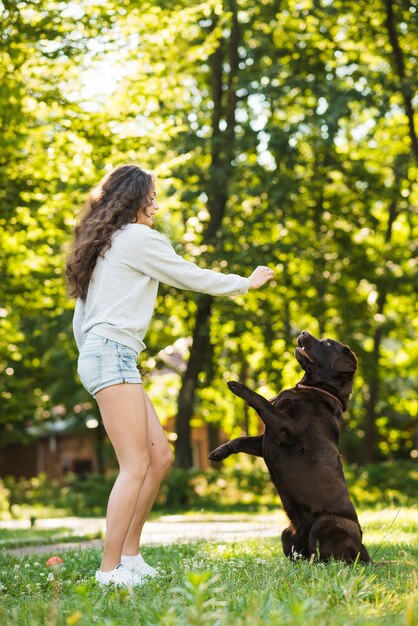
x=237 y=388
x=220 y=453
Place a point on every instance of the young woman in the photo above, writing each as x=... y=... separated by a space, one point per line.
x=113 y=269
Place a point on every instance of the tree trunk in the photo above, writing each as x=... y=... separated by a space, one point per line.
x=198 y=351
x=370 y=440
x=222 y=150
x=370 y=451
x=243 y=378
x=213 y=439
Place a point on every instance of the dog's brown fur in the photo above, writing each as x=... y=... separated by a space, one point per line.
x=300 y=448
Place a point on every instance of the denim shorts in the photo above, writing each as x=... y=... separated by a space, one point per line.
x=103 y=362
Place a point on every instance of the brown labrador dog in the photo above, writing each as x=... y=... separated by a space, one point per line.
x=300 y=448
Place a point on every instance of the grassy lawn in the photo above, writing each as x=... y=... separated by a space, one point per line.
x=224 y=584
x=15 y=538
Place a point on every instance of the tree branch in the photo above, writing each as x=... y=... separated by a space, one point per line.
x=399 y=65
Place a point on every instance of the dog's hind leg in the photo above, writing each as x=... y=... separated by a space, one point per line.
x=335 y=537
x=250 y=445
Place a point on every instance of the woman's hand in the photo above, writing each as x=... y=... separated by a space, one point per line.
x=260 y=275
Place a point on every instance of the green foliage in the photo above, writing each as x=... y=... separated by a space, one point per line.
x=311 y=145
x=382 y=484
x=233 y=488
x=233 y=584
x=246 y=490
x=72 y=495
x=40 y=182
x=4 y=499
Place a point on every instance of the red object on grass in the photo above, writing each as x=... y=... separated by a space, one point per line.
x=54 y=560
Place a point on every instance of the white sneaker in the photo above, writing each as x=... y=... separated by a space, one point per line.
x=120 y=577
x=139 y=567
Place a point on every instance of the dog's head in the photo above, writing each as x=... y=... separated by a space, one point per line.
x=329 y=362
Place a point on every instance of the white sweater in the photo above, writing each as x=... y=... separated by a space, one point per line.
x=123 y=288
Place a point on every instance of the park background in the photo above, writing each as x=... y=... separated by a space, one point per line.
x=280 y=133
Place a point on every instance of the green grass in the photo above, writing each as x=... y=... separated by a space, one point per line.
x=225 y=584
x=15 y=538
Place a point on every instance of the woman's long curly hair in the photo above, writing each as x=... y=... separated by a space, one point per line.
x=116 y=201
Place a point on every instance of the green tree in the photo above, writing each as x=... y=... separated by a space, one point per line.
x=41 y=177
x=280 y=132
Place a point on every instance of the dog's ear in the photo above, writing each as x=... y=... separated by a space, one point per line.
x=345 y=362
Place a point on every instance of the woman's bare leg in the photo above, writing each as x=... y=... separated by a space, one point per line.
x=160 y=456
x=124 y=412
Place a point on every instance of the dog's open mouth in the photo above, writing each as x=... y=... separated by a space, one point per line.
x=301 y=350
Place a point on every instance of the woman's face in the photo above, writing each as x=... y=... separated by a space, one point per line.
x=147 y=217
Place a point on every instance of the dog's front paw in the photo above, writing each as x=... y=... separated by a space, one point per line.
x=239 y=389
x=219 y=454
